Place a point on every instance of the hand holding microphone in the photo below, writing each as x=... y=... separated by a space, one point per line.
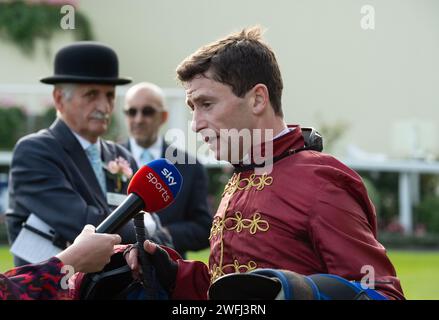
x=166 y=267
x=90 y=252
x=152 y=188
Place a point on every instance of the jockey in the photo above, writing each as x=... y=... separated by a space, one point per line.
x=287 y=207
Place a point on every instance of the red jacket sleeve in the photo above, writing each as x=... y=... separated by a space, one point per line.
x=343 y=235
x=35 y=281
x=192 y=281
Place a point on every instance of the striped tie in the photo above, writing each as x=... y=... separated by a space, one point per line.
x=96 y=163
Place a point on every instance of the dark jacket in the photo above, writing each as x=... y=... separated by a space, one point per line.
x=52 y=177
x=188 y=219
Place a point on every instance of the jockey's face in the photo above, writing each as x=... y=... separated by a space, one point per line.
x=216 y=108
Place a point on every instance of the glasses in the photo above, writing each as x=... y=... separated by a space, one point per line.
x=146 y=111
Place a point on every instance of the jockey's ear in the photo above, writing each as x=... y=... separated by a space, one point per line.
x=260 y=98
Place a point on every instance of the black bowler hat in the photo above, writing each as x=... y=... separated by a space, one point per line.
x=86 y=62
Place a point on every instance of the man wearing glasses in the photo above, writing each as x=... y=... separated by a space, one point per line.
x=187 y=220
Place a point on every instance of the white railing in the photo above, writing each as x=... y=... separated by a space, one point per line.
x=408 y=182
x=5 y=158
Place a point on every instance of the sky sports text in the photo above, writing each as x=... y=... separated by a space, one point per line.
x=160 y=188
x=168 y=175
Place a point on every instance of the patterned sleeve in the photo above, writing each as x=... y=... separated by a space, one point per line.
x=34 y=281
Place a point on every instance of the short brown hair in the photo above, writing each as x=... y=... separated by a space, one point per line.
x=240 y=60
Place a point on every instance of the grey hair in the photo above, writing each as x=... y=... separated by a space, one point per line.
x=67 y=89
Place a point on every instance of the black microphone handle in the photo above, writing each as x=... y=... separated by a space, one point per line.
x=148 y=279
x=122 y=214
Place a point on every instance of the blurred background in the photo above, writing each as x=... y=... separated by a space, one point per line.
x=363 y=73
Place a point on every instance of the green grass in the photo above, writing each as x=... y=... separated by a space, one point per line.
x=6 y=262
x=202 y=255
x=417 y=270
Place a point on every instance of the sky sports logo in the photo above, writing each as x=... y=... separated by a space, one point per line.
x=168 y=175
x=158 y=182
x=158 y=186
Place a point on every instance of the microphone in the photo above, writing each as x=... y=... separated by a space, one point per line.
x=152 y=188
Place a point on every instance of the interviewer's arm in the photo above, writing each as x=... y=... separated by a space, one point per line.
x=89 y=253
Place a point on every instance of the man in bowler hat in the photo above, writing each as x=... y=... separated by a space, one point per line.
x=61 y=174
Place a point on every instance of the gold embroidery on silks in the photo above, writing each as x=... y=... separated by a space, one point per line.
x=229 y=190
x=235 y=183
x=231 y=185
x=217 y=227
x=259 y=182
x=218 y=271
x=238 y=223
x=254 y=224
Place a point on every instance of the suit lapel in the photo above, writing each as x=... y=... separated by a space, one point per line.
x=77 y=154
x=126 y=145
x=107 y=156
